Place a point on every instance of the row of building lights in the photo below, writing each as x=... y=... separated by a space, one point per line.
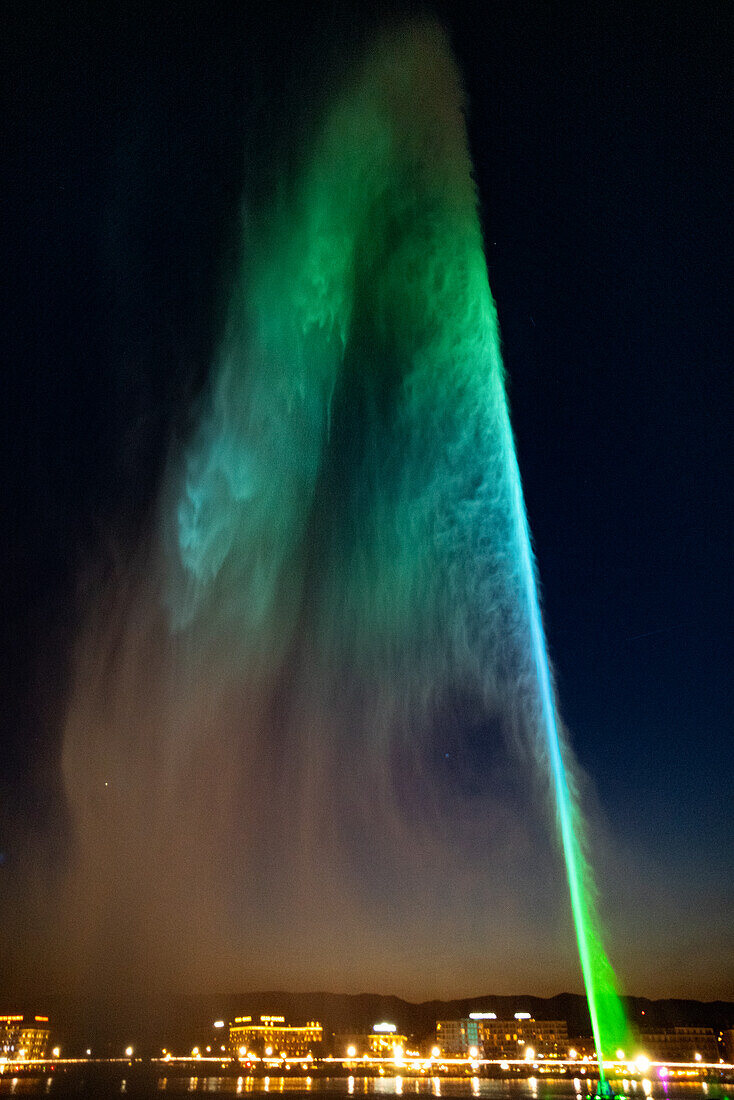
x=640 y=1063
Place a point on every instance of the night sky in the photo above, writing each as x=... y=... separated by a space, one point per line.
x=600 y=140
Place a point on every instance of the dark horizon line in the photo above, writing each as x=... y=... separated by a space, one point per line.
x=284 y=992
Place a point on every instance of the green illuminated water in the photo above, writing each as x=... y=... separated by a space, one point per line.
x=608 y=1021
x=371 y=267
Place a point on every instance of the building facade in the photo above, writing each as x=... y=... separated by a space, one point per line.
x=459 y=1037
x=581 y=1046
x=512 y=1038
x=382 y=1042
x=23 y=1038
x=271 y=1037
x=680 y=1044
x=727 y=1038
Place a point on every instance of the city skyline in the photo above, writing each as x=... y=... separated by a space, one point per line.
x=476 y=1040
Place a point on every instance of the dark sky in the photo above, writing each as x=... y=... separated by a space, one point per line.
x=600 y=138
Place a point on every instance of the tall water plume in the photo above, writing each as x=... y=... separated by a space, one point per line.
x=340 y=568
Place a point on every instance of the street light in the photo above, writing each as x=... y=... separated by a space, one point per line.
x=351 y=1052
x=128 y=1052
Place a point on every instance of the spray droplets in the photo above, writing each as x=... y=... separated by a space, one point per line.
x=342 y=569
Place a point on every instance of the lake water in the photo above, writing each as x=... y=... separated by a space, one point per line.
x=148 y=1086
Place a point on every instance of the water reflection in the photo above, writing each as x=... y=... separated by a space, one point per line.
x=447 y=1088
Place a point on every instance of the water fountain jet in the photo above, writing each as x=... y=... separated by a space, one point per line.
x=319 y=561
x=383 y=239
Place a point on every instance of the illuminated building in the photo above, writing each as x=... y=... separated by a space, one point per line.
x=727 y=1037
x=679 y=1044
x=509 y=1038
x=460 y=1036
x=495 y=1038
x=270 y=1036
x=382 y=1042
x=583 y=1045
x=23 y=1037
